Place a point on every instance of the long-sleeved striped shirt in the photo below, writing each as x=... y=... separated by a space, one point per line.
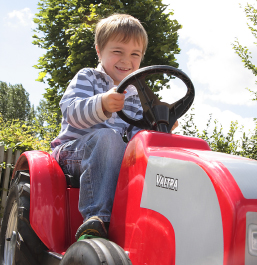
x=81 y=107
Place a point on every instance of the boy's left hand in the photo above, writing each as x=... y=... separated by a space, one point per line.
x=174 y=126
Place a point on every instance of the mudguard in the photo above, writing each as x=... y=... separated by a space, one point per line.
x=177 y=202
x=48 y=215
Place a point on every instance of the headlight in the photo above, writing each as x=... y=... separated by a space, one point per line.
x=252 y=239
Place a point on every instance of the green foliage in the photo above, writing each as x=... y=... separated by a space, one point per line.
x=187 y=124
x=47 y=123
x=214 y=135
x=24 y=128
x=243 y=51
x=23 y=136
x=14 y=102
x=66 y=31
x=220 y=142
x=249 y=144
x=17 y=135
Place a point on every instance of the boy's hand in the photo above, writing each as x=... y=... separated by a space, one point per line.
x=113 y=101
x=174 y=126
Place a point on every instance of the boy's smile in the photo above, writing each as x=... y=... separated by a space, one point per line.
x=120 y=59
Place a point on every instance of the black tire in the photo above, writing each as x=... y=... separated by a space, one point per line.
x=18 y=242
x=97 y=251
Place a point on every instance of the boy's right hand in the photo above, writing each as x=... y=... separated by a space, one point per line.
x=113 y=101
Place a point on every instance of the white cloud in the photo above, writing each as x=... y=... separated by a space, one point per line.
x=203 y=21
x=202 y=110
x=207 y=57
x=18 y=18
x=210 y=28
x=222 y=75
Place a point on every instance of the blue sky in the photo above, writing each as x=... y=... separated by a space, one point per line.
x=206 y=56
x=17 y=53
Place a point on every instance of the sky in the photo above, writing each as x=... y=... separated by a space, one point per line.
x=207 y=57
x=209 y=29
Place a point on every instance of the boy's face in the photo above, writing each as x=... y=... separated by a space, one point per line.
x=120 y=59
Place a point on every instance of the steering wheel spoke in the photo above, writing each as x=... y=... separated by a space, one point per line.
x=157 y=115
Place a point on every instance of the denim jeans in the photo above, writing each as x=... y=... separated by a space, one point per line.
x=95 y=159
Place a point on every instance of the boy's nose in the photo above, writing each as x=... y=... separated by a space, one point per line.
x=125 y=59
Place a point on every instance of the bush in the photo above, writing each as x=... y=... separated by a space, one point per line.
x=21 y=136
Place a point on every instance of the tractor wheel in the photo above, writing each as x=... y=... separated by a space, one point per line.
x=96 y=251
x=19 y=244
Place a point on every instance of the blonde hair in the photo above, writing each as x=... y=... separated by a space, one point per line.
x=122 y=27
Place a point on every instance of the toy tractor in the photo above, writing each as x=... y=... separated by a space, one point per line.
x=176 y=201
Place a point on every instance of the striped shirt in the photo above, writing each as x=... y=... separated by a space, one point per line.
x=81 y=107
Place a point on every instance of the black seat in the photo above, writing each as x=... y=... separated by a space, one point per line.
x=72 y=182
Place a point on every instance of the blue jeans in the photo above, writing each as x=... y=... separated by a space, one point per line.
x=94 y=159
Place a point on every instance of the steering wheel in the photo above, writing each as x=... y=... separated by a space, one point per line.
x=157 y=115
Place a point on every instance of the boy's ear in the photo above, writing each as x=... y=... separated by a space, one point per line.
x=97 y=51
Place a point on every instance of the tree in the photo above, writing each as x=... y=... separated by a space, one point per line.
x=20 y=136
x=47 y=123
x=243 y=52
x=249 y=144
x=22 y=127
x=14 y=102
x=66 y=31
x=217 y=139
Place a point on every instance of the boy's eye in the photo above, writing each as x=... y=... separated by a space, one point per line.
x=117 y=51
x=136 y=54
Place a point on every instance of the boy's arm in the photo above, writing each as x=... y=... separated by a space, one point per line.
x=81 y=106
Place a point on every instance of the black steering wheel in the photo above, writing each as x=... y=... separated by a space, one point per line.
x=157 y=115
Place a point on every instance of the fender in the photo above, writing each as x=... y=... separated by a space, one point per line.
x=173 y=193
x=138 y=228
x=48 y=215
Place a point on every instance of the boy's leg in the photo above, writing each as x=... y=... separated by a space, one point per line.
x=101 y=166
x=95 y=158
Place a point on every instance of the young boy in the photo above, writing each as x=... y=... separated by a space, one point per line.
x=90 y=146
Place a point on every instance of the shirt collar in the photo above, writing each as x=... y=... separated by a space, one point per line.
x=101 y=70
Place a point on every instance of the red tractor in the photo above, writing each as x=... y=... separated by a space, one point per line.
x=176 y=201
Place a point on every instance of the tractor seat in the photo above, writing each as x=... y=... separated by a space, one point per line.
x=71 y=181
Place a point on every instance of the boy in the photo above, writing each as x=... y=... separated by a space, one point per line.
x=90 y=146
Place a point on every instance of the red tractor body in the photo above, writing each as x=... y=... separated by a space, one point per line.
x=176 y=202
